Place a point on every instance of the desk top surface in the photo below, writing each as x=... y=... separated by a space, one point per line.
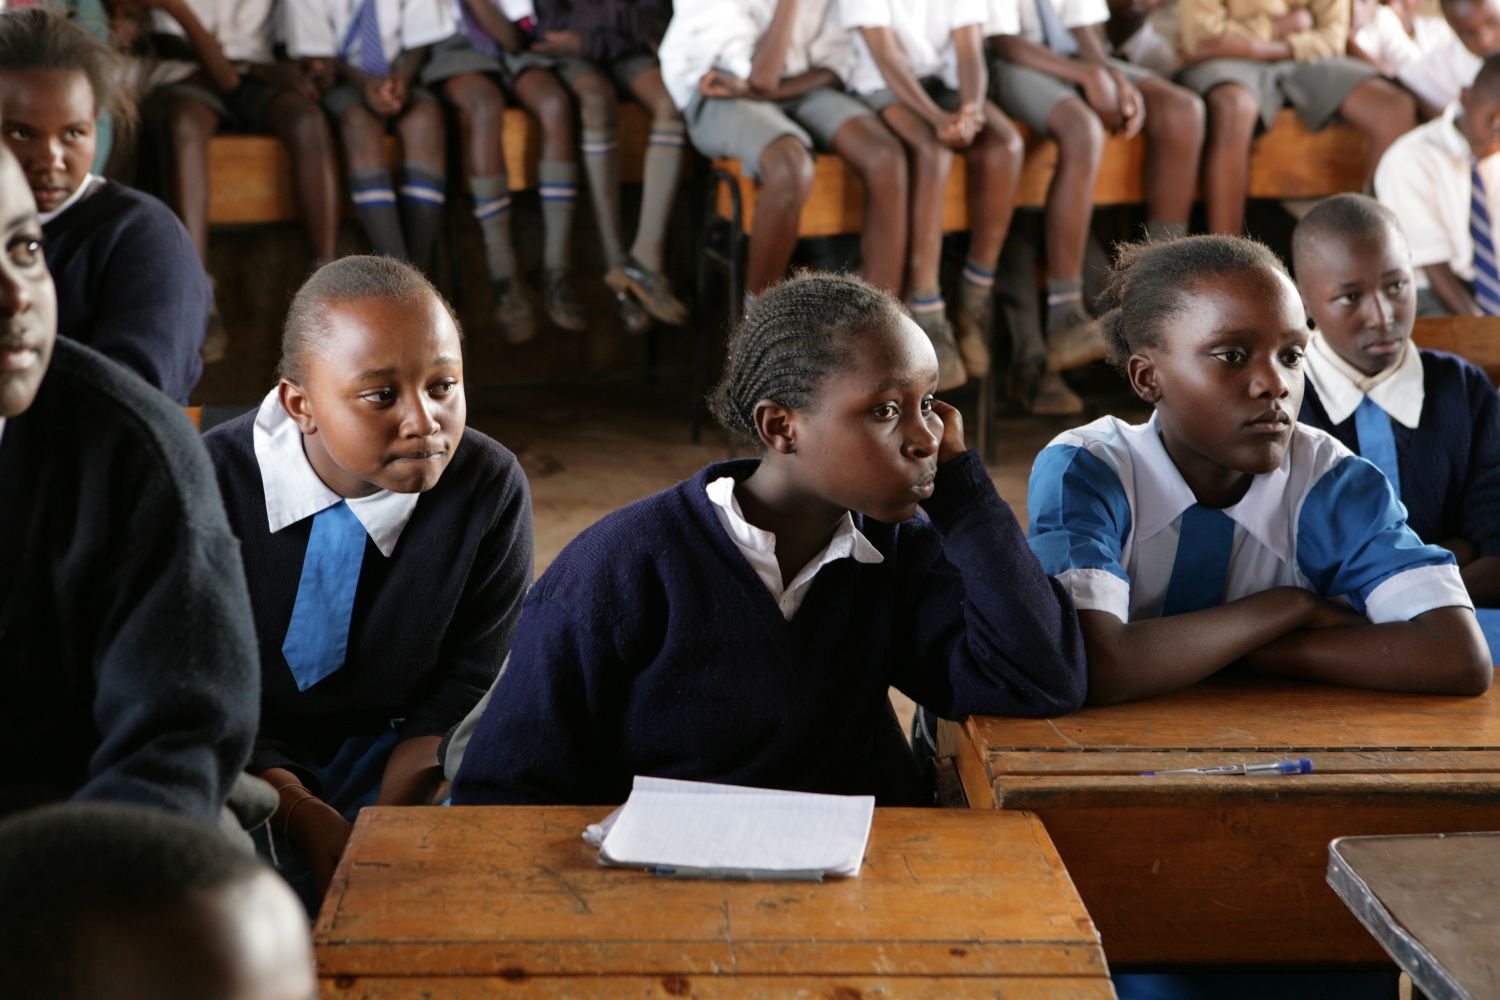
x=1432 y=901
x=514 y=892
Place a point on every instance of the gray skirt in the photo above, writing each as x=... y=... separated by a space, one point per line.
x=1315 y=90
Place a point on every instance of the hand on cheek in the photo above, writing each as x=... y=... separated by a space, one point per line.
x=952 y=444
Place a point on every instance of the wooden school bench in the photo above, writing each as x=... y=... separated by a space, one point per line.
x=487 y=901
x=1229 y=869
x=1473 y=338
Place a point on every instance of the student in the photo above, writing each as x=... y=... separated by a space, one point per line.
x=110 y=902
x=127 y=652
x=1442 y=181
x=240 y=85
x=365 y=55
x=1249 y=59
x=469 y=69
x=129 y=284
x=1051 y=72
x=387 y=549
x=1137 y=34
x=1429 y=420
x=745 y=625
x=1219 y=530
x=920 y=64
x=1420 y=52
x=762 y=81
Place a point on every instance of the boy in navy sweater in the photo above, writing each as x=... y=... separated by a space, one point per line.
x=744 y=626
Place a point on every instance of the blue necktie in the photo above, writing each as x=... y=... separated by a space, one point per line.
x=364 y=43
x=1204 y=543
x=1057 y=37
x=1377 y=442
x=1486 y=277
x=317 y=637
x=477 y=35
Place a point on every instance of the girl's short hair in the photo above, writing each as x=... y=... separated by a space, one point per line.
x=795 y=336
x=1150 y=280
x=347 y=279
x=46 y=38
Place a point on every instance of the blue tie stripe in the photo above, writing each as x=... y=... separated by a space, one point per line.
x=1201 y=567
x=1486 y=274
x=1055 y=34
x=363 y=47
x=1377 y=441
x=317 y=637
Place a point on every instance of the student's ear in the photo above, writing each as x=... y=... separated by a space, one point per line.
x=1140 y=371
x=295 y=401
x=776 y=426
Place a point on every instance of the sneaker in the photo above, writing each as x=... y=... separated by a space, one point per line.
x=973 y=331
x=513 y=310
x=633 y=318
x=215 y=336
x=1054 y=399
x=650 y=287
x=1024 y=379
x=1076 y=344
x=561 y=300
x=951 y=370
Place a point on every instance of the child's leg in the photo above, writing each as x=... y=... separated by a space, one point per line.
x=422 y=176
x=994 y=170
x=666 y=153
x=363 y=136
x=598 y=110
x=543 y=94
x=931 y=163
x=876 y=155
x=786 y=176
x=1069 y=208
x=190 y=126
x=1232 y=114
x=481 y=114
x=301 y=125
x=1383 y=112
x=1174 y=148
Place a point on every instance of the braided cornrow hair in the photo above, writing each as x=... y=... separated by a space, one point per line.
x=795 y=336
x=1149 y=281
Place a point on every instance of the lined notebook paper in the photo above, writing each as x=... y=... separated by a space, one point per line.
x=693 y=828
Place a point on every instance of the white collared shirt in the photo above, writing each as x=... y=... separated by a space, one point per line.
x=294 y=491
x=1424 y=179
x=316 y=29
x=1432 y=61
x=1020 y=17
x=73 y=199
x=1398 y=390
x=241 y=27
x=759 y=548
x=1106 y=503
x=723 y=34
x=922 y=28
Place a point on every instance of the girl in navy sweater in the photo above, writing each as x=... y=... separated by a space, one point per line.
x=744 y=626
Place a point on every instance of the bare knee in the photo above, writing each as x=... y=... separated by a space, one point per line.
x=1232 y=110
x=552 y=108
x=1175 y=111
x=190 y=122
x=597 y=104
x=362 y=134
x=1078 y=131
x=930 y=159
x=421 y=129
x=786 y=165
x=881 y=160
x=479 y=100
x=302 y=125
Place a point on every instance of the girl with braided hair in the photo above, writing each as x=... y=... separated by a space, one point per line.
x=745 y=625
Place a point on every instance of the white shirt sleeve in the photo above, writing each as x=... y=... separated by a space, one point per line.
x=1410 y=173
x=424 y=22
x=708 y=34
x=1082 y=13
x=1004 y=18
x=311 y=31
x=962 y=13
x=866 y=13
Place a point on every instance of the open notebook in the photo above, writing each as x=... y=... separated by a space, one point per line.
x=698 y=829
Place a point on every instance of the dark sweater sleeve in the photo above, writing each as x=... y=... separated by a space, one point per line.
x=990 y=632
x=485 y=620
x=1481 y=504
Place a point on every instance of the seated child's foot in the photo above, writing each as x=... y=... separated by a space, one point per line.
x=513 y=310
x=650 y=287
x=1074 y=340
x=561 y=300
x=951 y=371
x=973 y=329
x=1054 y=399
x=633 y=319
x=1024 y=379
x=215 y=337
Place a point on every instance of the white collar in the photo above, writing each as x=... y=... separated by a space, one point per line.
x=294 y=491
x=1398 y=390
x=73 y=199
x=1162 y=494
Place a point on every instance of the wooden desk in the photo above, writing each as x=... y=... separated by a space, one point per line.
x=1433 y=903
x=1229 y=869
x=471 y=902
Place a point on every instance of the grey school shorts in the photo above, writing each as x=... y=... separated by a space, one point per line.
x=455 y=56
x=942 y=95
x=245 y=110
x=340 y=98
x=622 y=71
x=1314 y=90
x=1029 y=95
x=744 y=128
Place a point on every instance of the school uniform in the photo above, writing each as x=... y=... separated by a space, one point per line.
x=617 y=36
x=723 y=35
x=924 y=31
x=1029 y=95
x=439 y=589
x=127 y=649
x=1431 y=62
x=1107 y=509
x=324 y=29
x=1315 y=82
x=243 y=29
x=129 y=283
x=1426 y=178
x=661 y=642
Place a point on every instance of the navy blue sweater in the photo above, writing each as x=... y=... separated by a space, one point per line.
x=651 y=647
x=431 y=624
x=127 y=652
x=1450 y=462
x=130 y=285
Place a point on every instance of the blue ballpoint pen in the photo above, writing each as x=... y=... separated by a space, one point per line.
x=1299 y=766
